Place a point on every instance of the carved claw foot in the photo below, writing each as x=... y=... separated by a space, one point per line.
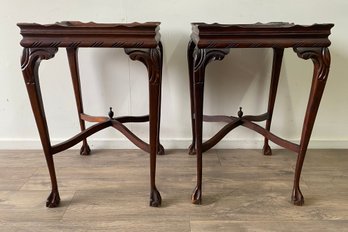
x=53 y=200
x=197 y=196
x=297 y=197
x=85 y=150
x=267 y=150
x=192 y=149
x=160 y=150
x=155 y=198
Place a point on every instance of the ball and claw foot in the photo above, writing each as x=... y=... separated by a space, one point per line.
x=53 y=200
x=155 y=198
x=85 y=150
x=160 y=150
x=192 y=149
x=197 y=196
x=267 y=150
x=297 y=197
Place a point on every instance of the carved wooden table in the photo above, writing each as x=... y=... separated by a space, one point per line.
x=213 y=41
x=140 y=41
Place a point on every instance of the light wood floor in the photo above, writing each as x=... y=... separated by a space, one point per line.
x=108 y=191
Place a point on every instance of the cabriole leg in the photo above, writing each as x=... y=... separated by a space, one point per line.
x=75 y=76
x=198 y=87
x=30 y=63
x=152 y=58
x=321 y=60
x=277 y=63
x=154 y=100
x=201 y=57
x=161 y=150
x=190 y=49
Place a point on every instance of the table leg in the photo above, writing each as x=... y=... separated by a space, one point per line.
x=321 y=60
x=75 y=76
x=198 y=89
x=201 y=58
x=152 y=58
x=277 y=63
x=161 y=150
x=190 y=49
x=30 y=63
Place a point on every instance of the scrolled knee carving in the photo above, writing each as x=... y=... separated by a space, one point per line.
x=31 y=59
x=320 y=57
x=202 y=57
x=151 y=58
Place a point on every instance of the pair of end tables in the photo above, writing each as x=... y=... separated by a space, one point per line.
x=141 y=42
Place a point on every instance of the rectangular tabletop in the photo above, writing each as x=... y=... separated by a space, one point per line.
x=78 y=34
x=260 y=35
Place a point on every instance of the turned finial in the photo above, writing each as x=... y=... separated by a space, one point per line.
x=111 y=113
x=240 y=112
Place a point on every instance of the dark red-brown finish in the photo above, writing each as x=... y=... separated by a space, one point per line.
x=211 y=42
x=141 y=42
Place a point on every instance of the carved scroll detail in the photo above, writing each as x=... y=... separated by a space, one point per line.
x=202 y=57
x=320 y=57
x=31 y=59
x=151 y=58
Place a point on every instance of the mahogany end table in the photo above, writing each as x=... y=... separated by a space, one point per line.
x=141 y=42
x=211 y=42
